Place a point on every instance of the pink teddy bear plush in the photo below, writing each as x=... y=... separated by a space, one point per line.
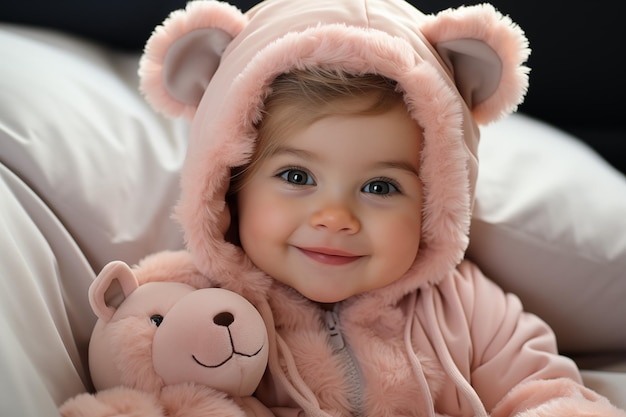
x=165 y=346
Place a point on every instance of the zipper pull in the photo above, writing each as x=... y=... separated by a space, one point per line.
x=332 y=325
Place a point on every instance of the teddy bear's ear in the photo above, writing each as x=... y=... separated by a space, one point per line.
x=184 y=52
x=110 y=288
x=486 y=52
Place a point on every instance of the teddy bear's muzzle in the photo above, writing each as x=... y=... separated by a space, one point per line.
x=208 y=338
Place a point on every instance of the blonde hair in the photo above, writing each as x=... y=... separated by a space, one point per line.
x=299 y=98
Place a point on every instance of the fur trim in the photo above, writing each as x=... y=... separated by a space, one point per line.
x=167 y=266
x=432 y=101
x=380 y=339
x=310 y=349
x=386 y=37
x=179 y=266
x=389 y=38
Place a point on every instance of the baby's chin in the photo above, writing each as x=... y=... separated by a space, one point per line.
x=324 y=300
x=328 y=296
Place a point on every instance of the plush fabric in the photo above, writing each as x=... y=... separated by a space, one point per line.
x=75 y=133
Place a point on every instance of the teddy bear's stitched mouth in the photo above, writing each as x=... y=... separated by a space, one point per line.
x=233 y=353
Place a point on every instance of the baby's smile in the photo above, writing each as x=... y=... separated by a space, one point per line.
x=329 y=256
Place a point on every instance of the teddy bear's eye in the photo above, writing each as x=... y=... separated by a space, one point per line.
x=156 y=319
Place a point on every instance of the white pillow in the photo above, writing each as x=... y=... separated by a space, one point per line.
x=88 y=174
x=76 y=129
x=550 y=225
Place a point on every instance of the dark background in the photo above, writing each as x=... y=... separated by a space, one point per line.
x=577 y=82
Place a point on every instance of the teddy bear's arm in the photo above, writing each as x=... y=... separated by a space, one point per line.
x=114 y=402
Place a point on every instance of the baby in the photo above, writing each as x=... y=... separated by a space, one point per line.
x=333 y=157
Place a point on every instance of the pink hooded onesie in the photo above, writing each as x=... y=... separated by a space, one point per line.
x=441 y=340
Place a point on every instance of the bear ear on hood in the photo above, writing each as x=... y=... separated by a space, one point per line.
x=183 y=53
x=485 y=52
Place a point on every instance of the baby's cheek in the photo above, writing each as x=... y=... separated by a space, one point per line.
x=259 y=222
x=406 y=242
x=261 y=226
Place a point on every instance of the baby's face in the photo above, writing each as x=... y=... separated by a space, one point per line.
x=336 y=210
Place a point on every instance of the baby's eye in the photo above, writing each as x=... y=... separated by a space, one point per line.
x=156 y=319
x=380 y=187
x=297 y=177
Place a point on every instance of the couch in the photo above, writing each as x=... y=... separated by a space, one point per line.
x=89 y=174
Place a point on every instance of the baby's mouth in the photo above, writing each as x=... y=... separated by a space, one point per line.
x=329 y=256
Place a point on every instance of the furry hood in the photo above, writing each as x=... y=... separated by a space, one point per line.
x=213 y=64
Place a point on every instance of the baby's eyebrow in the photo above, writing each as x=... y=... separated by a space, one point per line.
x=403 y=165
x=286 y=150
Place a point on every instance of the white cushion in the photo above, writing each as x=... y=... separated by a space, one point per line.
x=610 y=384
x=74 y=127
x=88 y=174
x=550 y=225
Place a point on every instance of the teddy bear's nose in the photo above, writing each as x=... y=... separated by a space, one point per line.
x=223 y=319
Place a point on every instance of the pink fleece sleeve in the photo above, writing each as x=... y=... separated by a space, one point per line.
x=514 y=364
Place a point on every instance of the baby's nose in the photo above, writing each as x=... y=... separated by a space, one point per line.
x=336 y=218
x=224 y=319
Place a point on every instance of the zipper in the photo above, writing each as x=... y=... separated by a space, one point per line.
x=352 y=370
x=332 y=325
